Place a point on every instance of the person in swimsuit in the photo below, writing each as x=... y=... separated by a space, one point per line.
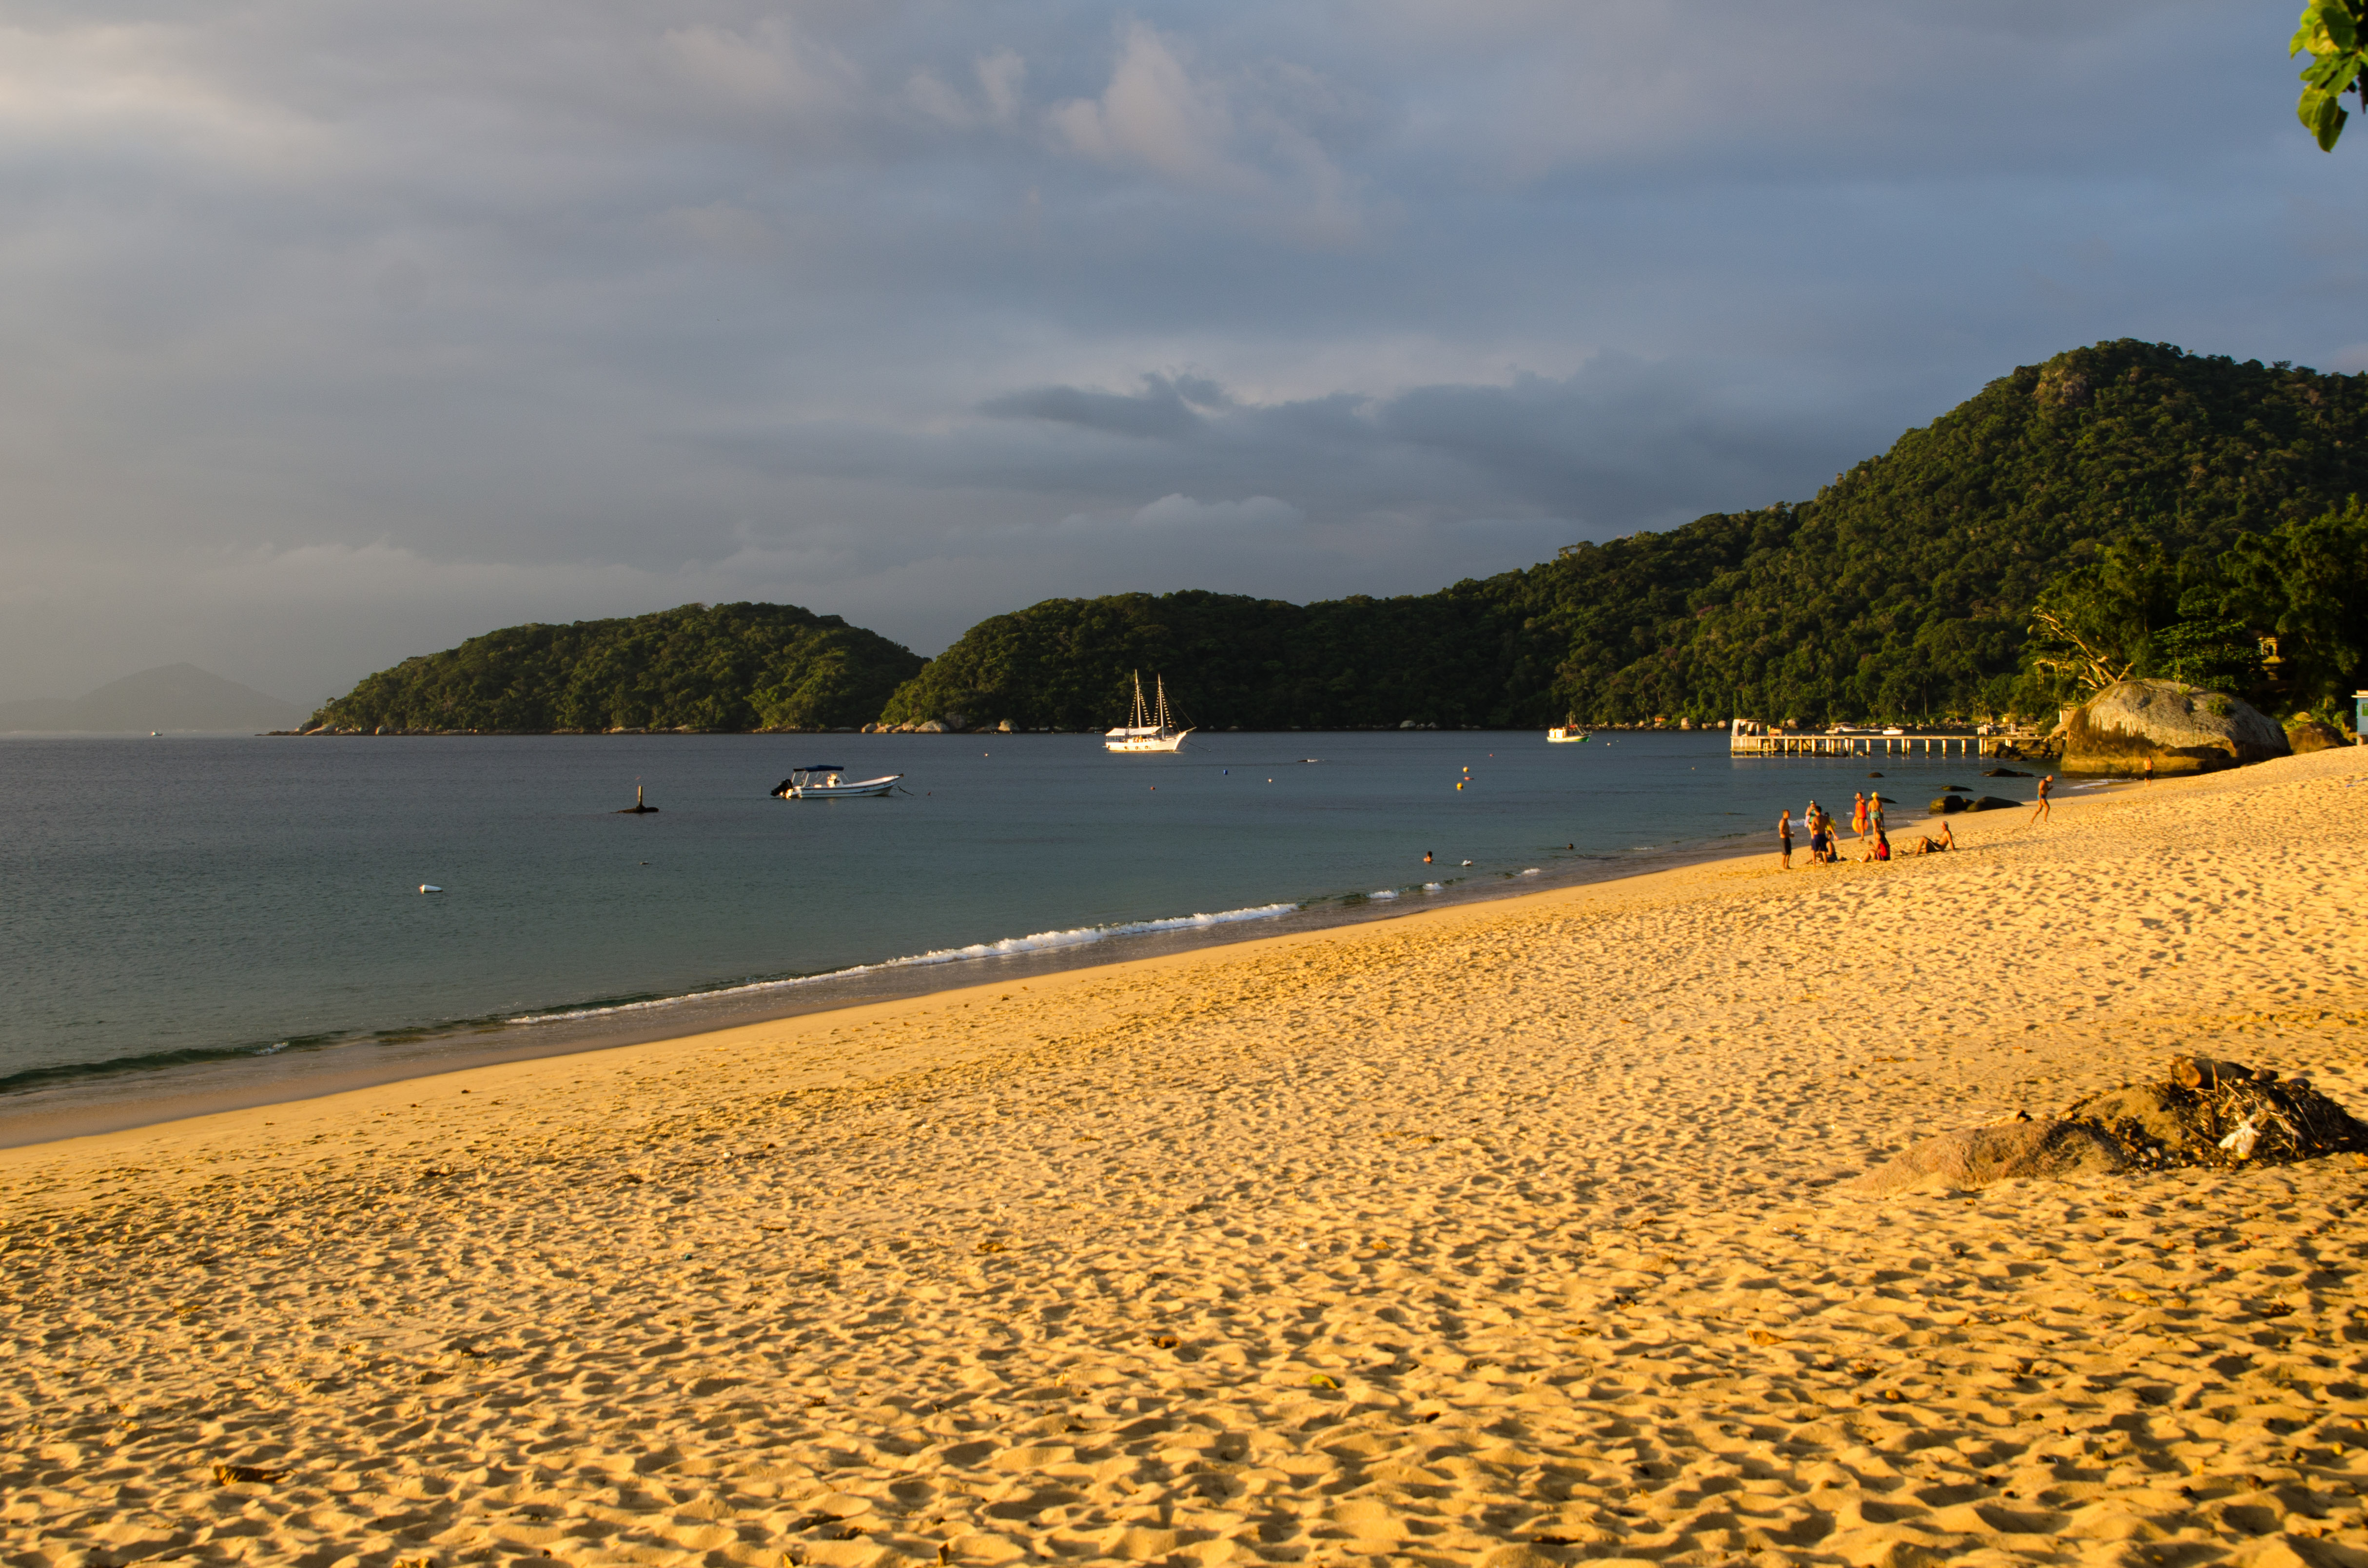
x=2039 y=811
x=1858 y=812
x=1784 y=839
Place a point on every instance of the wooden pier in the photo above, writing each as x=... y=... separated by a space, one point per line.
x=1748 y=737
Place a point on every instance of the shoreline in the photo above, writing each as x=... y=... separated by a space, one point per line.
x=78 y=1100
x=1510 y=1234
x=313 y=1074
x=78 y=1097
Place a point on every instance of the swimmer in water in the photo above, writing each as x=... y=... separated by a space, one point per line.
x=1426 y=857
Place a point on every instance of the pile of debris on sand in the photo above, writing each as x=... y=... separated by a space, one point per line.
x=2206 y=1112
x=2209 y=1112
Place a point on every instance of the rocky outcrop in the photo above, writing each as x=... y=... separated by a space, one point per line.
x=2308 y=734
x=2181 y=728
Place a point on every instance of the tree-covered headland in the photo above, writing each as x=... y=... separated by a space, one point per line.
x=1903 y=591
x=744 y=666
x=2127 y=507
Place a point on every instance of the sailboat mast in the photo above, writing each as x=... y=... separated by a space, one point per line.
x=1160 y=682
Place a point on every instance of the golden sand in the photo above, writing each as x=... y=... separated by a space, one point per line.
x=1499 y=1234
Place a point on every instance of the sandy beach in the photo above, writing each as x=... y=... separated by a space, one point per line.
x=1501 y=1235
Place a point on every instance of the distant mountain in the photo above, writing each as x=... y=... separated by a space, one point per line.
x=170 y=697
x=734 y=667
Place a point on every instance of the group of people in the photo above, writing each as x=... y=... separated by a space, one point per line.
x=1866 y=818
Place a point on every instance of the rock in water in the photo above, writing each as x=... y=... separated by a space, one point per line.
x=2001 y=1152
x=2182 y=729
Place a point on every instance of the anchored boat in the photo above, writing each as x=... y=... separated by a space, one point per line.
x=1150 y=729
x=1564 y=735
x=822 y=781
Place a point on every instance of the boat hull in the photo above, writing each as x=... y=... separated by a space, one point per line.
x=839 y=791
x=1120 y=741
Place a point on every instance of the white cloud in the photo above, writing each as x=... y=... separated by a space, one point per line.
x=1155 y=116
x=765 y=67
x=1001 y=77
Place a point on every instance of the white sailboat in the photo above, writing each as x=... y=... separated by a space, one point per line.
x=1150 y=730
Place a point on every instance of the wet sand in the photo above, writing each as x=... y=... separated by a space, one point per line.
x=1502 y=1235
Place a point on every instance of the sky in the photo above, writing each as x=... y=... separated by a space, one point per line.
x=334 y=332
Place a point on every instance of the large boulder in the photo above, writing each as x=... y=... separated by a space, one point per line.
x=2181 y=728
x=2307 y=735
x=1980 y=1155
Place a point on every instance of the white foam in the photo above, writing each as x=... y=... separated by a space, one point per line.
x=1530 y=871
x=1434 y=887
x=1041 y=941
x=1383 y=892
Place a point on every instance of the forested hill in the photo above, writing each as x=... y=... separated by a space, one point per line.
x=1903 y=590
x=744 y=666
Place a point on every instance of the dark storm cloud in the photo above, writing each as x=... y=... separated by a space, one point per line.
x=336 y=331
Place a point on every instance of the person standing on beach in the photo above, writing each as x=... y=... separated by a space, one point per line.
x=1874 y=814
x=1784 y=837
x=1858 y=812
x=2039 y=811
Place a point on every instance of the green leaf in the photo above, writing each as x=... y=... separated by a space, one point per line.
x=2327 y=27
x=2323 y=116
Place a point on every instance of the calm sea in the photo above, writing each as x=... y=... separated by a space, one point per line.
x=229 y=909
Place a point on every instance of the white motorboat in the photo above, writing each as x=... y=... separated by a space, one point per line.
x=1150 y=730
x=825 y=782
x=1564 y=735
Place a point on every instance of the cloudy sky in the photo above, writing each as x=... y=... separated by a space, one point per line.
x=331 y=332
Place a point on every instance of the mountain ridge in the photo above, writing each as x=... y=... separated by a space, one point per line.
x=168 y=697
x=1903 y=591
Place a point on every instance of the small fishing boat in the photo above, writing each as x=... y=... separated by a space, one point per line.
x=822 y=781
x=1150 y=729
x=1564 y=735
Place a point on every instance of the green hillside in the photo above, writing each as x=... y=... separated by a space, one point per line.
x=1903 y=590
x=744 y=666
x=2172 y=508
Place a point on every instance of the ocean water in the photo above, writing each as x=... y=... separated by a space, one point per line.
x=180 y=903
